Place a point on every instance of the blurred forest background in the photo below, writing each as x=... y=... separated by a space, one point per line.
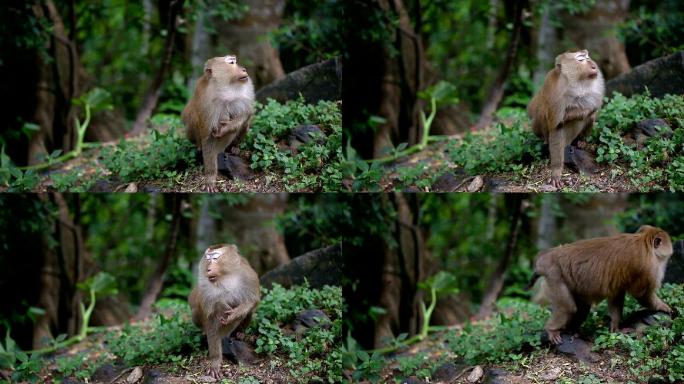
x=132 y=65
x=436 y=94
x=56 y=246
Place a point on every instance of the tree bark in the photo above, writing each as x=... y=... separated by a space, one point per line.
x=497 y=90
x=515 y=201
x=156 y=281
x=152 y=96
x=246 y=38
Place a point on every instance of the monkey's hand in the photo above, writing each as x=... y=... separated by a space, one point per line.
x=228 y=316
x=555 y=337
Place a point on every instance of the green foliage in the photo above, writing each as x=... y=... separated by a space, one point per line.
x=164 y=339
x=317 y=354
x=316 y=165
x=160 y=156
x=659 y=353
x=78 y=365
x=653 y=29
x=309 y=32
x=500 y=151
x=73 y=181
x=657 y=164
x=502 y=338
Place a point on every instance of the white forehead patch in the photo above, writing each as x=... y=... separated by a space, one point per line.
x=581 y=56
x=212 y=255
x=230 y=59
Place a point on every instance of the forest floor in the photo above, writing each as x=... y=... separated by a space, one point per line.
x=431 y=170
x=89 y=166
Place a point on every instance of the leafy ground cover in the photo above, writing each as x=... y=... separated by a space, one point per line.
x=164 y=160
x=508 y=347
x=508 y=157
x=169 y=345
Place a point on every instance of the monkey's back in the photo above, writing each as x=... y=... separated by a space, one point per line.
x=596 y=268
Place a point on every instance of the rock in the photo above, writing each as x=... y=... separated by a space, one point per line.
x=661 y=76
x=150 y=189
x=153 y=376
x=649 y=127
x=675 y=267
x=448 y=372
x=320 y=81
x=476 y=184
x=234 y=167
x=579 y=160
x=134 y=376
x=414 y=380
x=475 y=375
x=495 y=185
x=237 y=351
x=206 y=379
x=449 y=182
x=496 y=376
x=574 y=347
x=640 y=320
x=305 y=133
x=320 y=267
x=105 y=185
x=551 y=374
x=310 y=318
x=106 y=373
x=131 y=188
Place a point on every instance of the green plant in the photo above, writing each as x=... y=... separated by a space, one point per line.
x=160 y=155
x=317 y=354
x=315 y=165
x=164 y=339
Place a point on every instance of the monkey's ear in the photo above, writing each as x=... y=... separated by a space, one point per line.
x=656 y=242
x=207 y=70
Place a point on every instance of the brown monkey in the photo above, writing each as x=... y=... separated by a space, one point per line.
x=220 y=111
x=588 y=271
x=226 y=295
x=566 y=105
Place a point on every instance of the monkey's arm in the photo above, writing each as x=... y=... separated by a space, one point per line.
x=576 y=113
x=237 y=313
x=233 y=117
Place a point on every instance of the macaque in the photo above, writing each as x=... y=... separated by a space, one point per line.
x=220 y=112
x=226 y=295
x=588 y=271
x=566 y=105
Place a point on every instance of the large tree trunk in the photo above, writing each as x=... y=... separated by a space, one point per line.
x=592 y=218
x=250 y=226
x=247 y=38
x=596 y=31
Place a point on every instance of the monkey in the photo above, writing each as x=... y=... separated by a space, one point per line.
x=220 y=112
x=226 y=296
x=566 y=105
x=587 y=271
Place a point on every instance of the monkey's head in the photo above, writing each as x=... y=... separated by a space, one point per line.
x=658 y=239
x=577 y=65
x=226 y=71
x=218 y=260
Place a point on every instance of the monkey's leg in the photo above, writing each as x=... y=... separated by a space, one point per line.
x=556 y=153
x=582 y=312
x=652 y=301
x=564 y=307
x=215 y=354
x=615 y=306
x=209 y=154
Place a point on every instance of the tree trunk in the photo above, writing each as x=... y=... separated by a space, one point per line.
x=156 y=281
x=247 y=38
x=546 y=47
x=595 y=31
x=497 y=90
x=546 y=225
x=591 y=218
x=250 y=226
x=151 y=98
x=515 y=201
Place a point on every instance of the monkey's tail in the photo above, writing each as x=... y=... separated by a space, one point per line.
x=533 y=280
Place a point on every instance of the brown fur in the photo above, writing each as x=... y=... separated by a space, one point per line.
x=587 y=271
x=566 y=105
x=226 y=295
x=220 y=111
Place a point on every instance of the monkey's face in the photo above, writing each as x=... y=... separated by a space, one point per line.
x=226 y=70
x=212 y=264
x=577 y=65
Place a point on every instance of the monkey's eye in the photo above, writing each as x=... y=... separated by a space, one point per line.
x=212 y=256
x=230 y=59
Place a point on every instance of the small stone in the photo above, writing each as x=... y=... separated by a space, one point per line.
x=134 y=376
x=131 y=188
x=206 y=379
x=476 y=184
x=475 y=375
x=551 y=374
x=234 y=167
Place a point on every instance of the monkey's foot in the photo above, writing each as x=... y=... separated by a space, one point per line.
x=555 y=337
x=556 y=183
x=215 y=373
